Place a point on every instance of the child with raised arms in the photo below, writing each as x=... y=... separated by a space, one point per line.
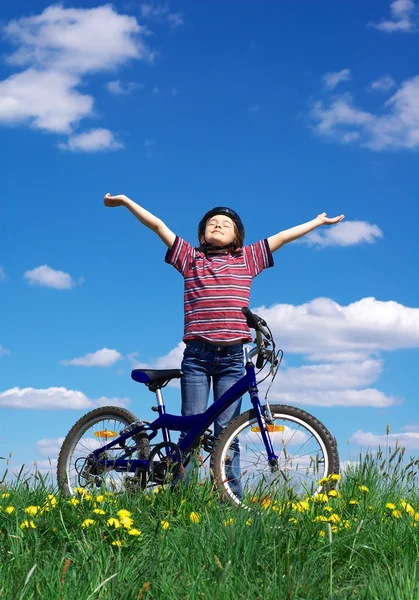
x=217 y=278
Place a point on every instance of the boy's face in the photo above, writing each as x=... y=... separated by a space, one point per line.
x=219 y=231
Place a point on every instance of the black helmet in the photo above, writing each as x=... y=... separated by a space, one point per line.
x=220 y=210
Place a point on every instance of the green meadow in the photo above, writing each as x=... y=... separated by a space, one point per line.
x=357 y=540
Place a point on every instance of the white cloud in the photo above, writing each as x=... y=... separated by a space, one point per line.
x=407 y=439
x=3 y=351
x=54 y=398
x=59 y=47
x=119 y=88
x=332 y=80
x=92 y=141
x=351 y=398
x=155 y=90
x=155 y=11
x=323 y=329
x=47 y=277
x=383 y=84
x=3 y=276
x=346 y=233
x=403 y=18
x=46 y=100
x=101 y=358
x=49 y=447
x=77 y=40
x=394 y=129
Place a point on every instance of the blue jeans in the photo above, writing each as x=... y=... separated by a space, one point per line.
x=224 y=365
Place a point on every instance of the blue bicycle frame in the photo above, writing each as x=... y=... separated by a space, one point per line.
x=194 y=425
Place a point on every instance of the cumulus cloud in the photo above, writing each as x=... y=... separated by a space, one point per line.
x=58 y=49
x=48 y=277
x=54 y=398
x=3 y=275
x=383 y=84
x=101 y=358
x=396 y=127
x=403 y=18
x=332 y=80
x=407 y=439
x=322 y=329
x=346 y=233
x=92 y=141
x=3 y=351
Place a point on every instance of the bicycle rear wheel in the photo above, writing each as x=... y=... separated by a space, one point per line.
x=306 y=453
x=98 y=427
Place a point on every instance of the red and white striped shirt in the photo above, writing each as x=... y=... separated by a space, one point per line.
x=217 y=286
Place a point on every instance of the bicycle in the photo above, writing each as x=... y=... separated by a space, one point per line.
x=278 y=446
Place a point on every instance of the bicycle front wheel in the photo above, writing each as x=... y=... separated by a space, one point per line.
x=98 y=427
x=306 y=453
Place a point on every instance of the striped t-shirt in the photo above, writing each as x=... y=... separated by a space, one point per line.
x=217 y=286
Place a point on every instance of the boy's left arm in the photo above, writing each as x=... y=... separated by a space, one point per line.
x=289 y=235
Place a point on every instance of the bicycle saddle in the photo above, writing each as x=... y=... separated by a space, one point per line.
x=157 y=377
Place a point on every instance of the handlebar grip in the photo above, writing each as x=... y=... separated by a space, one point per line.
x=251 y=318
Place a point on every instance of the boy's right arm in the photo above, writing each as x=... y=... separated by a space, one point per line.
x=144 y=216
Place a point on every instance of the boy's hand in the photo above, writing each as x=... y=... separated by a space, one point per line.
x=323 y=220
x=113 y=201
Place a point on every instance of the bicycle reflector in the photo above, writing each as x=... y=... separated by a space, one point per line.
x=105 y=433
x=270 y=428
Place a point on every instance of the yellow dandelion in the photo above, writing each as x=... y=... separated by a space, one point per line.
x=333 y=494
x=134 y=532
x=194 y=517
x=408 y=508
x=321 y=498
x=123 y=513
x=158 y=489
x=51 y=501
x=100 y=498
x=10 y=509
x=33 y=510
x=346 y=524
x=328 y=508
x=303 y=506
x=79 y=490
x=5 y=495
x=396 y=514
x=354 y=502
x=118 y=543
x=248 y=522
x=334 y=518
x=292 y=520
x=363 y=488
x=99 y=511
x=228 y=522
x=335 y=529
x=391 y=506
x=87 y=523
x=335 y=477
x=322 y=533
x=126 y=522
x=320 y=519
x=112 y=522
x=266 y=503
x=74 y=501
x=27 y=524
x=165 y=524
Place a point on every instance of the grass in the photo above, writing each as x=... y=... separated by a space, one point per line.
x=360 y=540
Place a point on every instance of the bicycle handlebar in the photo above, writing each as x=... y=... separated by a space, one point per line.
x=255 y=322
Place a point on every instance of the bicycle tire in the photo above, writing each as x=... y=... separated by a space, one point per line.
x=287 y=414
x=125 y=417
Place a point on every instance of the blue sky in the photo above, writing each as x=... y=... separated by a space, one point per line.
x=281 y=110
